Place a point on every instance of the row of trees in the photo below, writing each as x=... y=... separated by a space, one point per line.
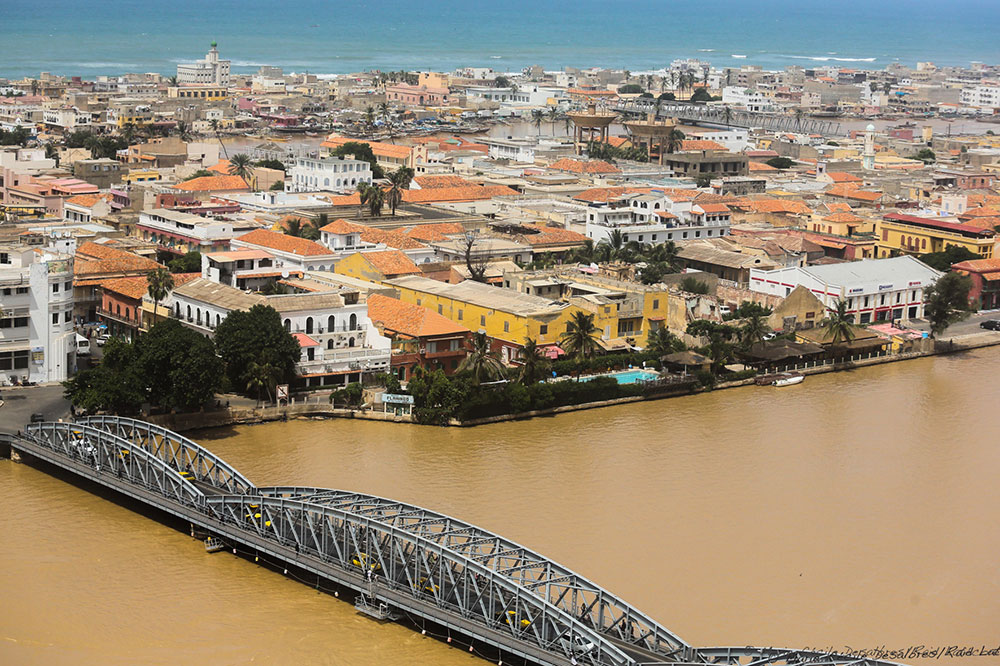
x=605 y=151
x=172 y=367
x=661 y=259
x=375 y=197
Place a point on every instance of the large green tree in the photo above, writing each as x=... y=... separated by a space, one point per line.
x=116 y=385
x=484 y=364
x=160 y=283
x=947 y=301
x=361 y=151
x=581 y=335
x=533 y=362
x=255 y=336
x=181 y=367
x=720 y=347
x=186 y=263
x=944 y=260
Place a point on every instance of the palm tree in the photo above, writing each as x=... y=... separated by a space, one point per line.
x=585 y=254
x=128 y=132
x=400 y=180
x=753 y=331
x=661 y=342
x=839 y=327
x=373 y=196
x=293 y=227
x=215 y=129
x=533 y=362
x=673 y=80
x=537 y=115
x=183 y=131
x=370 y=120
x=580 y=338
x=674 y=140
x=616 y=241
x=727 y=115
x=261 y=376
x=241 y=165
x=799 y=112
x=553 y=117
x=160 y=283
x=172 y=81
x=482 y=362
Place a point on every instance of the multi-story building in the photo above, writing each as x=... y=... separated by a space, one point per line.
x=981 y=96
x=37 y=337
x=209 y=70
x=336 y=174
x=182 y=232
x=388 y=155
x=102 y=173
x=66 y=119
x=908 y=234
x=655 y=218
x=747 y=98
x=338 y=340
x=985 y=276
x=404 y=93
x=289 y=252
x=874 y=289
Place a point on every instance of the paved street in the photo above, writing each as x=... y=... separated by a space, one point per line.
x=969 y=326
x=21 y=403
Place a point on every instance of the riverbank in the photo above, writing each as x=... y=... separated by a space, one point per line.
x=321 y=409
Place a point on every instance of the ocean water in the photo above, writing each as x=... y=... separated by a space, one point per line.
x=90 y=37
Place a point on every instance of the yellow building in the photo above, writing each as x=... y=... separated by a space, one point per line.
x=504 y=315
x=211 y=93
x=842 y=223
x=908 y=234
x=142 y=176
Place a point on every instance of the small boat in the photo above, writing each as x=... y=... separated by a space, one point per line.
x=787 y=379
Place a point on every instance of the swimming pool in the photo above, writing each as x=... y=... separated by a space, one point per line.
x=627 y=376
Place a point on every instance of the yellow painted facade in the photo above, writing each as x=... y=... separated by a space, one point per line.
x=896 y=238
x=211 y=93
x=142 y=176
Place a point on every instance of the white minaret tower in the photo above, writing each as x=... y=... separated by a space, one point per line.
x=868 y=159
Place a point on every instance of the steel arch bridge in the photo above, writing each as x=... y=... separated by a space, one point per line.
x=430 y=566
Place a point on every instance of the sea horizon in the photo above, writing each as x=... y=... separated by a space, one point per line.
x=337 y=37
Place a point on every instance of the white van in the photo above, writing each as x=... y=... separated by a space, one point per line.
x=82 y=346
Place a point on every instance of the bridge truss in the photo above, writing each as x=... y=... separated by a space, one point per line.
x=432 y=566
x=729 y=117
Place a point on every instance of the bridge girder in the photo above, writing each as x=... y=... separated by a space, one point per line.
x=108 y=453
x=177 y=451
x=597 y=608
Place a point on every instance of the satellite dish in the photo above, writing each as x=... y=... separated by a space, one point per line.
x=284 y=274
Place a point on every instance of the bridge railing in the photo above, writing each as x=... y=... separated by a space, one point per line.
x=177 y=451
x=108 y=454
x=420 y=568
x=549 y=581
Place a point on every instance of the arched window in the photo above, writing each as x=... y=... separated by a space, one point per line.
x=353 y=323
x=218 y=320
x=118 y=309
x=198 y=316
x=350 y=342
x=923 y=243
x=189 y=313
x=288 y=325
x=329 y=343
x=331 y=323
x=177 y=310
x=309 y=324
x=326 y=182
x=128 y=313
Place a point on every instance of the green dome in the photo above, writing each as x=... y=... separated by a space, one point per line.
x=214 y=44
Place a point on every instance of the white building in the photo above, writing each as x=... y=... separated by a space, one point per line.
x=210 y=70
x=289 y=252
x=331 y=174
x=746 y=98
x=516 y=150
x=183 y=232
x=526 y=95
x=66 y=118
x=37 y=338
x=875 y=289
x=655 y=218
x=983 y=96
x=735 y=139
x=338 y=340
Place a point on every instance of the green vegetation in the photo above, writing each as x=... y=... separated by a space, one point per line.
x=720 y=347
x=241 y=165
x=256 y=337
x=661 y=342
x=188 y=263
x=947 y=301
x=349 y=396
x=372 y=196
x=303 y=228
x=693 y=285
x=701 y=95
x=580 y=337
x=748 y=309
x=200 y=173
x=360 y=151
x=925 y=155
x=702 y=180
x=399 y=181
x=943 y=261
x=99 y=145
x=278 y=186
x=630 y=89
x=839 y=327
x=781 y=162
x=271 y=164
x=160 y=284
x=482 y=363
x=171 y=367
x=605 y=151
x=16 y=137
x=666 y=97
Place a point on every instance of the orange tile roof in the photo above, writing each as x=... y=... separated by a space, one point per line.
x=342 y=227
x=88 y=200
x=383 y=149
x=774 y=206
x=91 y=250
x=714 y=208
x=978 y=265
x=96 y=267
x=760 y=166
x=701 y=144
x=435 y=232
x=553 y=236
x=409 y=319
x=851 y=191
x=602 y=194
x=843 y=177
x=391 y=262
x=982 y=211
x=618 y=141
x=273 y=240
x=222 y=166
x=344 y=199
x=843 y=217
x=213 y=183
x=584 y=166
x=465 y=193
x=983 y=222
x=304 y=340
x=838 y=206
x=440 y=180
x=394 y=239
x=138 y=286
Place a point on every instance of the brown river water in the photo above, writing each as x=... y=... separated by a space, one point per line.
x=858 y=509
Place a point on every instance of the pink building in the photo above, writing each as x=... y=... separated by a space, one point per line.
x=404 y=93
x=21 y=188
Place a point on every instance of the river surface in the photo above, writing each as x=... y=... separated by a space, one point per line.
x=857 y=509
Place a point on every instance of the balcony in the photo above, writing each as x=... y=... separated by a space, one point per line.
x=133 y=321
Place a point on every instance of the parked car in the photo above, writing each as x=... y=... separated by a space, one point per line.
x=37 y=417
x=102 y=339
x=990 y=324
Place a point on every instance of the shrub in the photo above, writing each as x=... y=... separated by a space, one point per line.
x=705 y=378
